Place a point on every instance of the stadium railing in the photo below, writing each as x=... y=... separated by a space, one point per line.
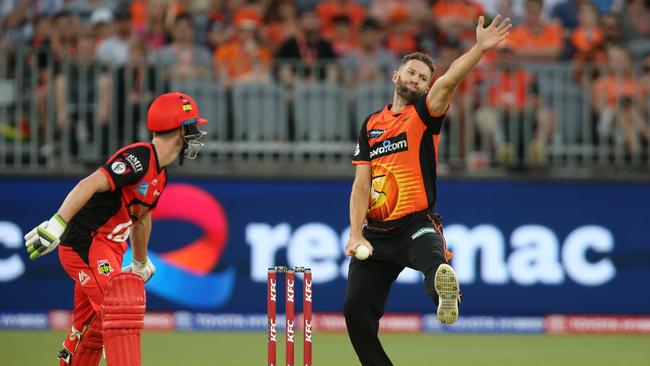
x=60 y=117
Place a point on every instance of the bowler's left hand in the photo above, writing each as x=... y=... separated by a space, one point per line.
x=495 y=33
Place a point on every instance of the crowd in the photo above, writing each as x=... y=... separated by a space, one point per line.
x=241 y=41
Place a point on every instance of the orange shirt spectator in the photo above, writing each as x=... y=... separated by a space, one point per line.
x=400 y=38
x=586 y=43
x=614 y=89
x=619 y=84
x=417 y=11
x=280 y=24
x=343 y=39
x=243 y=58
x=329 y=9
x=509 y=89
x=525 y=40
x=588 y=36
x=455 y=18
x=536 y=39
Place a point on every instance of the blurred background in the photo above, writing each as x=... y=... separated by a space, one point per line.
x=544 y=162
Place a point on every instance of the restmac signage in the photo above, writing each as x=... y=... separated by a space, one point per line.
x=520 y=248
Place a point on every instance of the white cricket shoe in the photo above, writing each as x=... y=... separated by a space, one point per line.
x=447 y=287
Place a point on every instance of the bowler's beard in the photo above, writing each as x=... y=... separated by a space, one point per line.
x=408 y=94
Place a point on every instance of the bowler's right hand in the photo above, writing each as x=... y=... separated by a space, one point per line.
x=354 y=242
x=45 y=237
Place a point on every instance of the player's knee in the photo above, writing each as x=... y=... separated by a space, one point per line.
x=353 y=307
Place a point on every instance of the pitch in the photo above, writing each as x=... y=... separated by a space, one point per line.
x=27 y=348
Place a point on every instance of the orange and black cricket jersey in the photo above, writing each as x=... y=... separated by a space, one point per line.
x=401 y=149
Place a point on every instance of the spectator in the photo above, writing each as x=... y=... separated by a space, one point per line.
x=182 y=59
x=566 y=12
x=280 y=23
x=64 y=38
x=154 y=30
x=610 y=24
x=42 y=59
x=243 y=59
x=401 y=39
x=587 y=38
x=219 y=28
x=456 y=18
x=329 y=9
x=134 y=86
x=635 y=17
x=114 y=50
x=14 y=27
x=82 y=98
x=536 y=39
x=618 y=98
x=417 y=11
x=343 y=38
x=370 y=62
x=307 y=53
x=512 y=100
x=83 y=9
x=101 y=23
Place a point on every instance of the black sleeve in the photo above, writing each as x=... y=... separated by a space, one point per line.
x=326 y=51
x=362 y=150
x=434 y=123
x=288 y=50
x=128 y=166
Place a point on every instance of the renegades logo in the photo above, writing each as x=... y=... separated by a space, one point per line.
x=103 y=267
x=187 y=106
x=390 y=146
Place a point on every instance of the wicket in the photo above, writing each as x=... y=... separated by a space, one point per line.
x=290 y=316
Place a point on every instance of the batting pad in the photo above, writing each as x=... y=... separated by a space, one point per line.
x=122 y=313
x=89 y=351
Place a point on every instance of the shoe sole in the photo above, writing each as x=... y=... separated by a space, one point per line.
x=447 y=287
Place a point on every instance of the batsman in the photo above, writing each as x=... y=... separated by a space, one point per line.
x=92 y=226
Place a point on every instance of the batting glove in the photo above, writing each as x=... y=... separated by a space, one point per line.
x=45 y=237
x=145 y=269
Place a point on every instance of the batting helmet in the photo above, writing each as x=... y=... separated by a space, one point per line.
x=172 y=110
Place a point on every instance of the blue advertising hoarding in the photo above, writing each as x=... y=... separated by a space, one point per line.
x=520 y=248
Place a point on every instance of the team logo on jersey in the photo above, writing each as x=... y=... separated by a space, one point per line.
x=83 y=277
x=374 y=133
x=103 y=267
x=390 y=146
x=118 y=167
x=134 y=162
x=142 y=189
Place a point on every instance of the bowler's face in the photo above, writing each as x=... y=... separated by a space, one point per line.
x=412 y=80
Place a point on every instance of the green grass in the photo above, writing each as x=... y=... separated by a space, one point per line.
x=27 y=348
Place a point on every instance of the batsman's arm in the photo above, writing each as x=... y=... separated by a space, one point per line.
x=359 y=208
x=140 y=237
x=81 y=193
x=443 y=89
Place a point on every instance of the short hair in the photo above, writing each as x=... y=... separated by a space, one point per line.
x=182 y=17
x=420 y=57
x=165 y=134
